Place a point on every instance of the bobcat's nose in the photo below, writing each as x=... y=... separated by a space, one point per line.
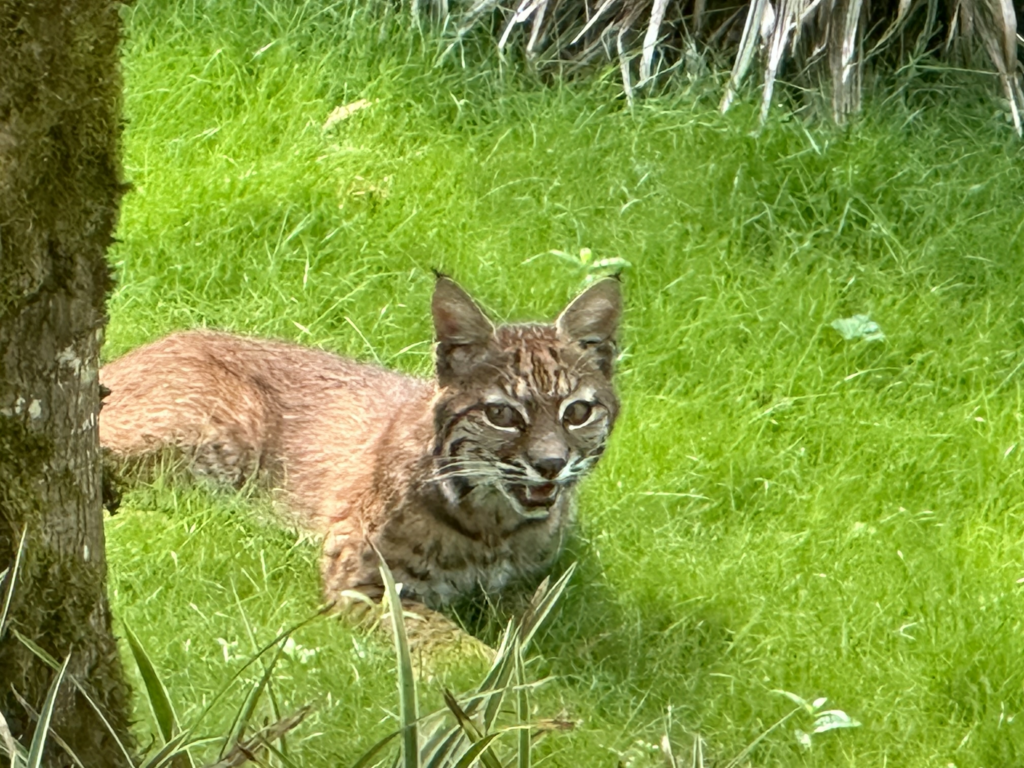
x=550 y=466
x=548 y=454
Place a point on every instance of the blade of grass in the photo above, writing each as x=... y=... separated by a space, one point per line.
x=476 y=750
x=244 y=714
x=170 y=751
x=494 y=674
x=494 y=698
x=159 y=701
x=469 y=728
x=738 y=760
x=542 y=605
x=406 y=676
x=522 y=714
x=697 y=756
x=227 y=686
x=51 y=662
x=463 y=719
x=248 y=751
x=35 y=750
x=274 y=708
x=12 y=575
x=53 y=734
x=440 y=745
x=491 y=688
x=374 y=751
x=491 y=692
x=280 y=754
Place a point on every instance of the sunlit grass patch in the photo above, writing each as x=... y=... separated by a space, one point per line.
x=781 y=508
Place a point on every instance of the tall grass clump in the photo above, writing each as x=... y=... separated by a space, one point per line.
x=814 y=490
x=465 y=732
x=825 y=47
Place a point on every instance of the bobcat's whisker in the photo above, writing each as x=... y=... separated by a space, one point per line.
x=465 y=463
x=467 y=472
x=477 y=478
x=481 y=472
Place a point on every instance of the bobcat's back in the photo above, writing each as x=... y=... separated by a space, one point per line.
x=234 y=406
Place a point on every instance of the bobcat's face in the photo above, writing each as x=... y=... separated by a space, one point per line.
x=525 y=410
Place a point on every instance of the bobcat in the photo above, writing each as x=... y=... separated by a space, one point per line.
x=461 y=484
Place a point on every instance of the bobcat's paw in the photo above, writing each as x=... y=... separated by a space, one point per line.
x=434 y=637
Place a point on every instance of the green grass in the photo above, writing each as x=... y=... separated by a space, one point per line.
x=780 y=509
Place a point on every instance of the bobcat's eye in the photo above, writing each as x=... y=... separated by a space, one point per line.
x=577 y=413
x=504 y=416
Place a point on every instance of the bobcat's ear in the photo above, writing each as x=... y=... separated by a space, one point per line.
x=592 y=319
x=462 y=329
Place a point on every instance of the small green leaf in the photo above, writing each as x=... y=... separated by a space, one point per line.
x=832 y=719
x=858 y=327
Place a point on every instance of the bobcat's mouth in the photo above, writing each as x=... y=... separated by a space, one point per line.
x=536 y=496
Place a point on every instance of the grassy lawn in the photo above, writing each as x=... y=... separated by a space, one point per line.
x=781 y=509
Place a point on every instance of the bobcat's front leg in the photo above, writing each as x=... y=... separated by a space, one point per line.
x=352 y=579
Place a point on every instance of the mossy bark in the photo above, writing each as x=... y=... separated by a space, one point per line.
x=60 y=185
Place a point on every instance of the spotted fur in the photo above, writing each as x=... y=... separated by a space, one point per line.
x=462 y=483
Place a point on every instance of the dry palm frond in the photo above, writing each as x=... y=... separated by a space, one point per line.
x=651 y=39
x=835 y=37
x=996 y=22
x=843 y=59
x=747 y=48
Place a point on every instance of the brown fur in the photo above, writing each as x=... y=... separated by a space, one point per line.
x=462 y=483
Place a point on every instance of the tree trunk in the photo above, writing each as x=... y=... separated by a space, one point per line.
x=60 y=184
